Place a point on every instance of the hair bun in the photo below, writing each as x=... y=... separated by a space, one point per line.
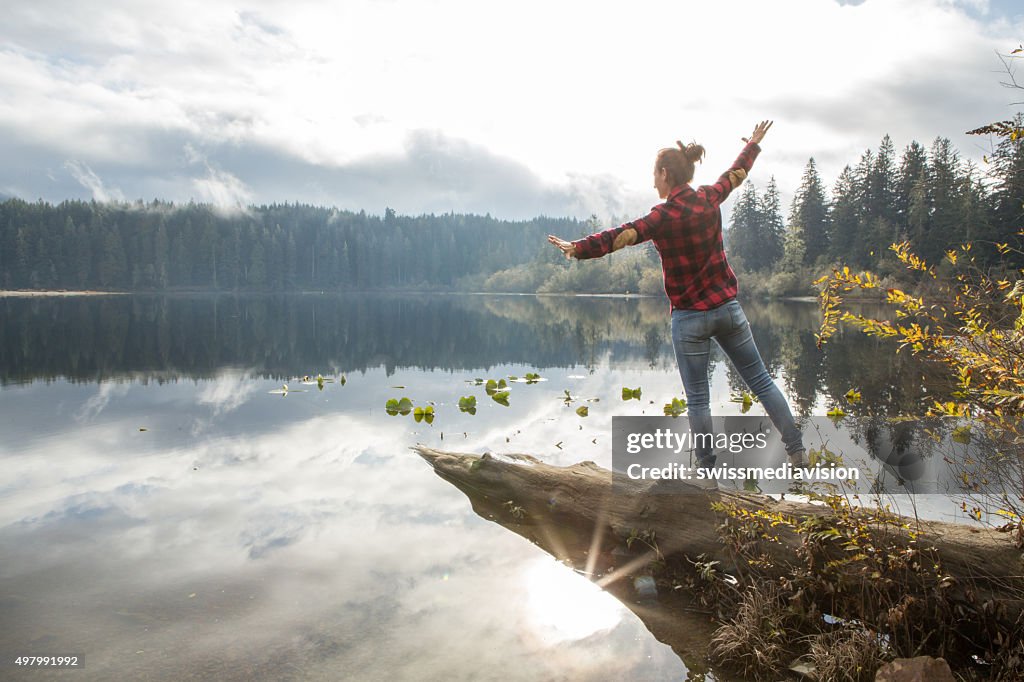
x=693 y=152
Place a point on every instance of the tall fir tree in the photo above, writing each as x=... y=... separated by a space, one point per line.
x=912 y=170
x=845 y=218
x=880 y=225
x=944 y=227
x=1008 y=173
x=772 y=230
x=741 y=240
x=809 y=216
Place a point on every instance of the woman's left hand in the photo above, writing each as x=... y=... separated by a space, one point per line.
x=759 y=130
x=567 y=248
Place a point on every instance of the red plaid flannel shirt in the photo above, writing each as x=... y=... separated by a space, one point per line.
x=687 y=231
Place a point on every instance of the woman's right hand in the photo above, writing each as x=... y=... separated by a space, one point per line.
x=568 y=249
x=759 y=130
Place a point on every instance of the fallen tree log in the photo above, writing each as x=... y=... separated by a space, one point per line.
x=973 y=576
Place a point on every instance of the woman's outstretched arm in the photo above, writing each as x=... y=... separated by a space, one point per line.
x=737 y=173
x=626 y=237
x=615 y=238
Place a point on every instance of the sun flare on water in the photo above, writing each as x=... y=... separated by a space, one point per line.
x=562 y=605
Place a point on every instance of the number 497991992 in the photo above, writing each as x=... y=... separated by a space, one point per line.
x=49 y=661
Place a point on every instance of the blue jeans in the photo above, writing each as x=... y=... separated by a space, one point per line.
x=692 y=331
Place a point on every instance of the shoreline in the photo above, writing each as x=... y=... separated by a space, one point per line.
x=55 y=293
x=32 y=293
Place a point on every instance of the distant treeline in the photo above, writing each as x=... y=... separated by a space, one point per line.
x=157 y=246
x=931 y=198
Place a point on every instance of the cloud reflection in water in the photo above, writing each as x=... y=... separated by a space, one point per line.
x=290 y=539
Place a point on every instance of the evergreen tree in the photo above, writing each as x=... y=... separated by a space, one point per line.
x=1008 y=172
x=772 y=229
x=945 y=199
x=809 y=216
x=160 y=256
x=844 y=221
x=880 y=190
x=257 y=270
x=112 y=270
x=913 y=168
x=206 y=254
x=742 y=237
x=976 y=208
x=880 y=222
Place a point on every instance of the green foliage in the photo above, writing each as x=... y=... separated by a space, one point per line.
x=808 y=220
x=631 y=393
x=492 y=387
x=618 y=273
x=395 y=406
x=582 y=410
x=468 y=404
x=745 y=400
x=675 y=408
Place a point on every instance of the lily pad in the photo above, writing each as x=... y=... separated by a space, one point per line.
x=468 y=404
x=836 y=414
x=745 y=400
x=493 y=386
x=402 y=407
x=675 y=408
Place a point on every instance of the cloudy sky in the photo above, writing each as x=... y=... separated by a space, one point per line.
x=553 y=107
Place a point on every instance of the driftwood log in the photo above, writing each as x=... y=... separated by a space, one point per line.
x=576 y=514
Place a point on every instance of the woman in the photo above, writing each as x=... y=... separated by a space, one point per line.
x=687 y=231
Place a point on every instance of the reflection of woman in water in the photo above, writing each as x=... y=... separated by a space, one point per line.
x=687 y=231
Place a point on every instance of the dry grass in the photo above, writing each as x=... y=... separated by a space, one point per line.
x=847 y=655
x=757 y=641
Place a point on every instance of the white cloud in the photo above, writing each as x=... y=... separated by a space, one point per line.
x=97 y=403
x=92 y=182
x=563 y=90
x=222 y=189
x=229 y=390
x=217 y=186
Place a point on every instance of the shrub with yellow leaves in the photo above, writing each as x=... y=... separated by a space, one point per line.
x=972 y=323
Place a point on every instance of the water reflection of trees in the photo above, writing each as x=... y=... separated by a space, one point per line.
x=86 y=339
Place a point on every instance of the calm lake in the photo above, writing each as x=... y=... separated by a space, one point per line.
x=168 y=511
